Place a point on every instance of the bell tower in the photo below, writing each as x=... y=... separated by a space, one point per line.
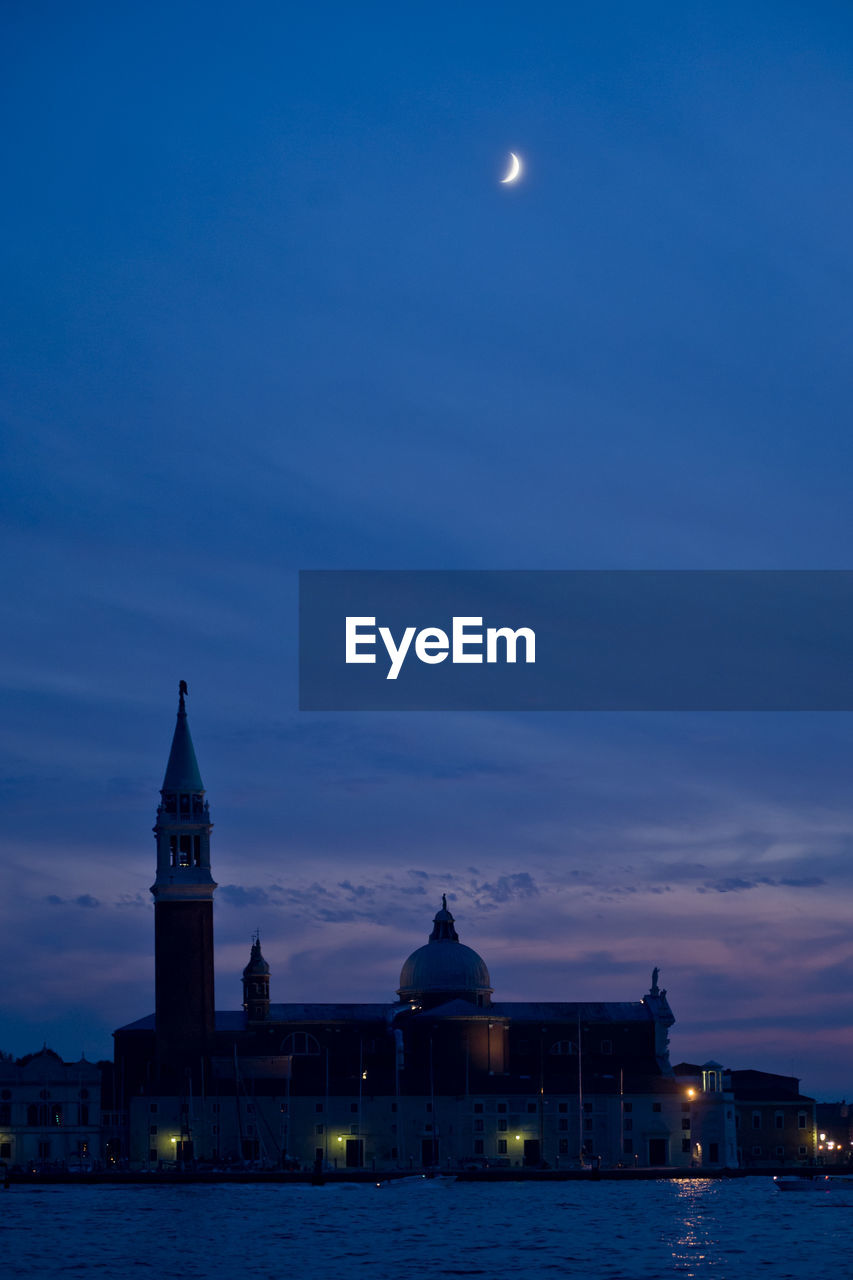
x=183 y=918
x=256 y=985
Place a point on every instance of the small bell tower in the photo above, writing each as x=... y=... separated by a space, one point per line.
x=183 y=917
x=256 y=985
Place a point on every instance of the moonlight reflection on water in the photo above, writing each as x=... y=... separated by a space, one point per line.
x=601 y=1230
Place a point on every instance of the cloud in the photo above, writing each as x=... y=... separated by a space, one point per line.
x=238 y=896
x=735 y=884
x=131 y=900
x=506 y=888
x=340 y=915
x=356 y=890
x=82 y=900
x=729 y=884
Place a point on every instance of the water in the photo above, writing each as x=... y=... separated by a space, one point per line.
x=728 y=1230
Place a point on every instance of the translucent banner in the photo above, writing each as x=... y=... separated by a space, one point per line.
x=576 y=640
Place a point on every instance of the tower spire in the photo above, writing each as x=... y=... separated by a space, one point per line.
x=182 y=771
x=183 y=913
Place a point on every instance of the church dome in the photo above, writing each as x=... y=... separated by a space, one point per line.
x=445 y=969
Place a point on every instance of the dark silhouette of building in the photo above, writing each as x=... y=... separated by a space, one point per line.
x=442 y=1075
x=183 y=919
x=50 y=1113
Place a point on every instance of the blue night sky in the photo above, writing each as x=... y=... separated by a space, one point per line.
x=268 y=307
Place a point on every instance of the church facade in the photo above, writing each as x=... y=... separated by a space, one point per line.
x=441 y=1076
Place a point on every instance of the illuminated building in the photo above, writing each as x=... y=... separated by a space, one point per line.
x=834 y=1133
x=444 y=1075
x=708 y=1115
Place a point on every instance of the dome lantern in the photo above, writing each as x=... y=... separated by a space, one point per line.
x=445 y=969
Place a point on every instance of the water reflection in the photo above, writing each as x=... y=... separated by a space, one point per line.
x=652 y=1230
x=695 y=1240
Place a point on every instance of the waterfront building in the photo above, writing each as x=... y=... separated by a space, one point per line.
x=775 y=1123
x=834 y=1126
x=440 y=1075
x=50 y=1112
x=708 y=1119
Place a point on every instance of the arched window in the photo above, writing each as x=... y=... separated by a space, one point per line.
x=299 y=1043
x=563 y=1048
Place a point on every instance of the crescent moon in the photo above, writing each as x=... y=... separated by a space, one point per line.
x=514 y=168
